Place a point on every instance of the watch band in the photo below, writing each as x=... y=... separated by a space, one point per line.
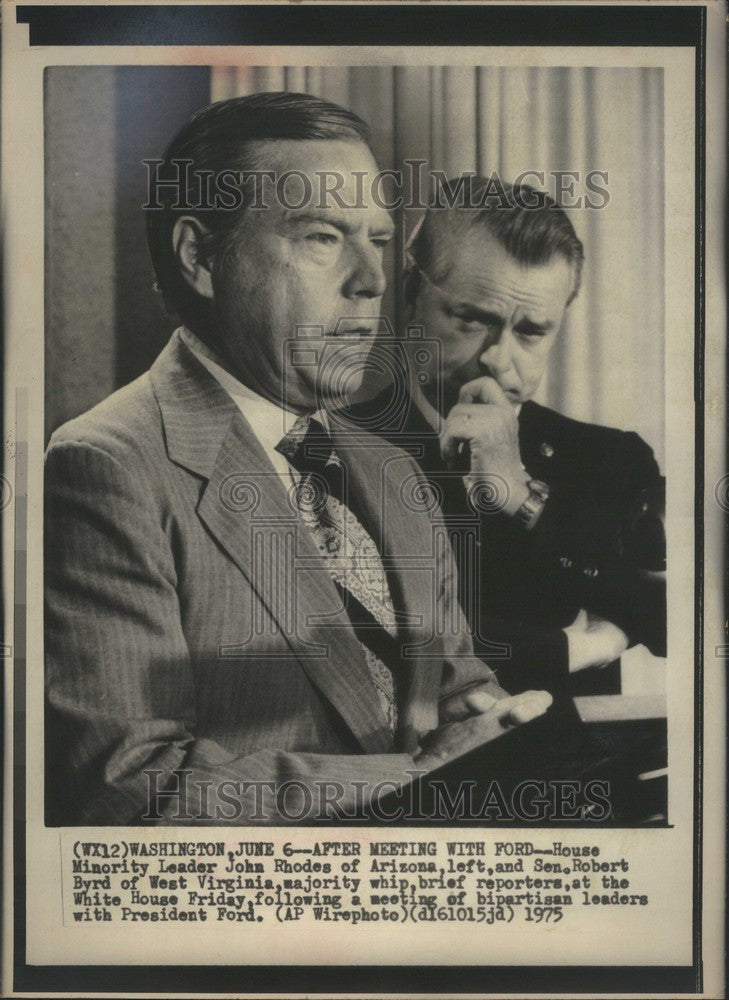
x=534 y=503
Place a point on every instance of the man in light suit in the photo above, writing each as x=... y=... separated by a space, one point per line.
x=218 y=646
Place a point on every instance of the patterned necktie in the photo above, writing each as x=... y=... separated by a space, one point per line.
x=351 y=556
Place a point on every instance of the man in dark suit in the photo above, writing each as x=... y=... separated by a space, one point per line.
x=556 y=523
x=242 y=617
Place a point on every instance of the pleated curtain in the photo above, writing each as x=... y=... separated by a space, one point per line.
x=607 y=366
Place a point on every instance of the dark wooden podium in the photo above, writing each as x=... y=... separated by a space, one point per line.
x=595 y=761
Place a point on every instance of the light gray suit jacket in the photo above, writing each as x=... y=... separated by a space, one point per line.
x=192 y=626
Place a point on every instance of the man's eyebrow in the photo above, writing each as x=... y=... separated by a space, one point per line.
x=529 y=324
x=460 y=307
x=306 y=218
x=387 y=227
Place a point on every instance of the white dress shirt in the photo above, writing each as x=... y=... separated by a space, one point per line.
x=268 y=421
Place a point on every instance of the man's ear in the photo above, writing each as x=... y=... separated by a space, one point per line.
x=186 y=242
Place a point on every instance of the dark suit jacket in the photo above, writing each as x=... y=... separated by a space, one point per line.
x=590 y=549
x=190 y=624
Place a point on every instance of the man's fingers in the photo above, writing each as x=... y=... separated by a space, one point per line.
x=461 y=424
x=450 y=447
x=487 y=719
x=509 y=711
x=467 y=422
x=523 y=708
x=479 y=701
x=483 y=390
x=471 y=702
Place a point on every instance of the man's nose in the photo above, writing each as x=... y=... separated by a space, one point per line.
x=365 y=276
x=497 y=356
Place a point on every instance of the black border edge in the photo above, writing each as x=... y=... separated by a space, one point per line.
x=64 y=25
x=317 y=24
x=700 y=441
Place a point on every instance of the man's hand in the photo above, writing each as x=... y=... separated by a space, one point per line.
x=486 y=421
x=593 y=642
x=475 y=717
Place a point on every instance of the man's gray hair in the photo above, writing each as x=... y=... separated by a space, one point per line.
x=529 y=224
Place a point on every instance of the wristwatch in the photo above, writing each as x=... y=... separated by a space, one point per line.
x=533 y=505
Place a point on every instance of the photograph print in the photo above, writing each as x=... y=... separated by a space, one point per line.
x=355 y=495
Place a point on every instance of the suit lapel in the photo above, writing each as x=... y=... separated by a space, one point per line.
x=540 y=441
x=247 y=509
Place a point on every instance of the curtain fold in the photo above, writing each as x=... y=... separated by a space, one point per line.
x=608 y=364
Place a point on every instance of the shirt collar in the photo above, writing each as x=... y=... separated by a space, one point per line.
x=268 y=420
